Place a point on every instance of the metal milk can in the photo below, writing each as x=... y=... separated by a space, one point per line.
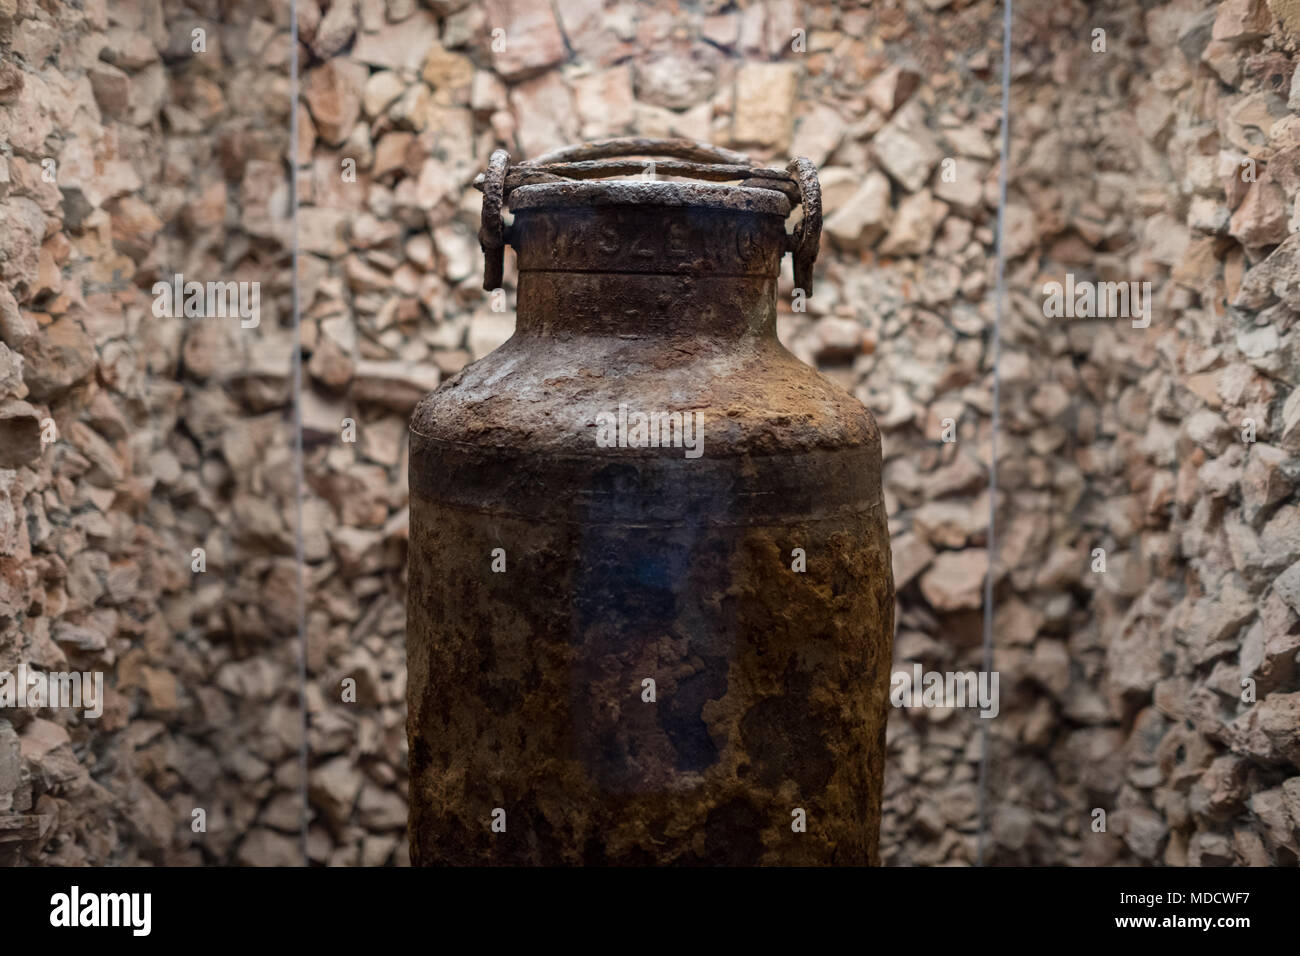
x=651 y=605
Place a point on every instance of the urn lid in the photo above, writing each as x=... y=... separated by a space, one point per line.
x=571 y=176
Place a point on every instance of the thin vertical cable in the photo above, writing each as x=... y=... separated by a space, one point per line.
x=299 y=547
x=996 y=422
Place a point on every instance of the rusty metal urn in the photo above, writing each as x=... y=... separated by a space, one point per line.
x=651 y=606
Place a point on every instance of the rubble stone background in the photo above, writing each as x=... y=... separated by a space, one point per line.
x=172 y=434
x=1163 y=691
x=1120 y=690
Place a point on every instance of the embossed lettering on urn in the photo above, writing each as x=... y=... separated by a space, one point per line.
x=621 y=653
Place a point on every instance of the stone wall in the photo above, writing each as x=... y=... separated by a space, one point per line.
x=1120 y=690
x=1162 y=691
x=132 y=149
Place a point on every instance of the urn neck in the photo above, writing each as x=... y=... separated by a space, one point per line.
x=647 y=270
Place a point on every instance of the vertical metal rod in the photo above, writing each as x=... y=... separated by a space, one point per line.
x=996 y=419
x=299 y=549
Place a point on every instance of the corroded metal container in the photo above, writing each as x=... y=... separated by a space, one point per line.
x=627 y=654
